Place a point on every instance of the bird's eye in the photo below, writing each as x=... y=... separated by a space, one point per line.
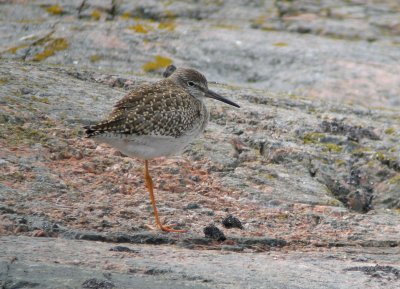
x=190 y=83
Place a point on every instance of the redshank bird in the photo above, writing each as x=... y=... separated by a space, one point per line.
x=158 y=119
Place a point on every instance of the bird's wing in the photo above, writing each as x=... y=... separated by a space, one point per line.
x=149 y=109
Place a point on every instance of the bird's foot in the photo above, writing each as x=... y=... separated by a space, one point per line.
x=169 y=229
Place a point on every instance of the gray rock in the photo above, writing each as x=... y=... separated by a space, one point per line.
x=77 y=263
x=310 y=163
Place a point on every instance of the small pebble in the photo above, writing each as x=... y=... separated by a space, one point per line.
x=194 y=178
x=232 y=222
x=192 y=206
x=212 y=232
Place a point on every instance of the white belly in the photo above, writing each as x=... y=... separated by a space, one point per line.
x=153 y=146
x=146 y=147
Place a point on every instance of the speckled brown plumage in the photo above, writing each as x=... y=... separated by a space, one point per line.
x=160 y=108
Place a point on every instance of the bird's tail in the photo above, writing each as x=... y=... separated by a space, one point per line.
x=91 y=131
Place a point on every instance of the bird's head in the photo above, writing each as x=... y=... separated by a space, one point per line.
x=196 y=84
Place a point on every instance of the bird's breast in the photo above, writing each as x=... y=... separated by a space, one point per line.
x=200 y=121
x=205 y=115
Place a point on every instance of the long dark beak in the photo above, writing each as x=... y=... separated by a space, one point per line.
x=214 y=95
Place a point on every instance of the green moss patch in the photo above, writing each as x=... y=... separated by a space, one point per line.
x=125 y=16
x=167 y=25
x=331 y=147
x=15 y=134
x=51 y=48
x=395 y=180
x=14 y=49
x=40 y=99
x=55 y=10
x=380 y=156
x=95 y=57
x=340 y=162
x=313 y=137
x=158 y=63
x=390 y=130
x=361 y=151
x=141 y=28
x=3 y=81
x=227 y=26
x=321 y=140
x=260 y=20
x=281 y=44
x=96 y=14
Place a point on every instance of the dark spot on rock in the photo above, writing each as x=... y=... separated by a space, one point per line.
x=360 y=202
x=354 y=133
x=260 y=242
x=355 y=177
x=192 y=206
x=107 y=275
x=212 y=232
x=113 y=10
x=97 y=284
x=194 y=178
x=338 y=189
x=303 y=30
x=140 y=238
x=123 y=249
x=237 y=131
x=85 y=75
x=391 y=163
x=154 y=271
x=312 y=169
x=22 y=284
x=335 y=126
x=378 y=271
x=105 y=224
x=313 y=172
x=26 y=90
x=262 y=148
x=118 y=82
x=232 y=222
x=360 y=259
x=22 y=220
x=316 y=219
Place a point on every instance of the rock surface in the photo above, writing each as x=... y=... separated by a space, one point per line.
x=27 y=261
x=310 y=164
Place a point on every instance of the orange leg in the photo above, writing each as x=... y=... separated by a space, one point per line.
x=149 y=183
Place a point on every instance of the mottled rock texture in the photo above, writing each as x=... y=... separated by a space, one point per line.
x=310 y=163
